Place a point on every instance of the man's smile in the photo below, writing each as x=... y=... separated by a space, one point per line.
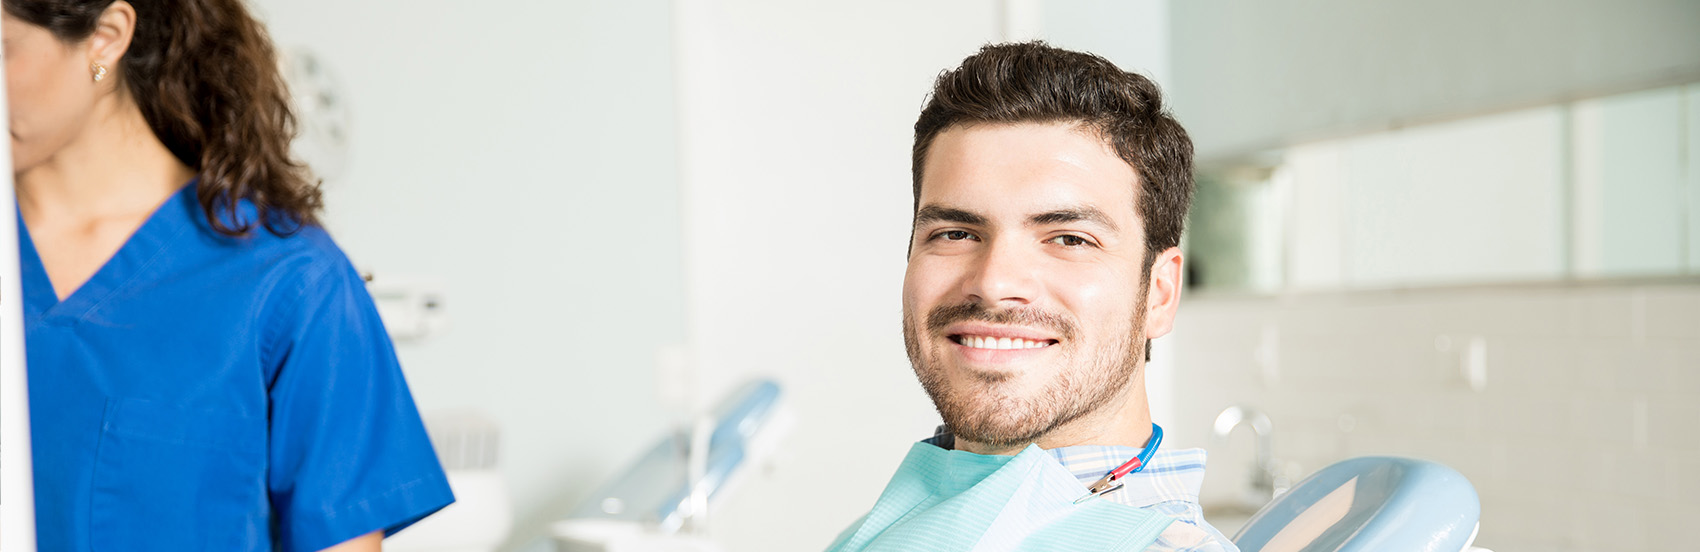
x=984 y=344
x=987 y=336
x=989 y=342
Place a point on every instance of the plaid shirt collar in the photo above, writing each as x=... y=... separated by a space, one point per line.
x=1172 y=475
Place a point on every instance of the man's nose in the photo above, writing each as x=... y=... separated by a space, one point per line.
x=1005 y=273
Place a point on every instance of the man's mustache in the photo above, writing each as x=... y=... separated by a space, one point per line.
x=944 y=316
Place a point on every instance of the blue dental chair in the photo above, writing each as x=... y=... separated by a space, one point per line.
x=1369 y=504
x=655 y=491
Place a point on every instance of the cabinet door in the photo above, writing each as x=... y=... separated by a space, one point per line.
x=1630 y=203
x=1691 y=107
x=1478 y=200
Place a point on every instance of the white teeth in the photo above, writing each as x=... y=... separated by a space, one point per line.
x=981 y=342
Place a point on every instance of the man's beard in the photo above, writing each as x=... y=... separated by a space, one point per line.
x=987 y=414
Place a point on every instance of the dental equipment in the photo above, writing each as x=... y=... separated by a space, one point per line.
x=1263 y=476
x=648 y=504
x=1112 y=481
x=1369 y=504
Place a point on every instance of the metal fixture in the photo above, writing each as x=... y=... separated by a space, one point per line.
x=1265 y=478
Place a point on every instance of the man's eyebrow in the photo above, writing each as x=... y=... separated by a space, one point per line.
x=933 y=213
x=1076 y=214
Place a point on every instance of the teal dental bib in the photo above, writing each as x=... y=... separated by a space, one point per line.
x=945 y=500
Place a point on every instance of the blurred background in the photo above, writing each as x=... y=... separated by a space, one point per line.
x=1462 y=231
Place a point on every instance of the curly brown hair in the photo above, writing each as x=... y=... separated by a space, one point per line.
x=206 y=78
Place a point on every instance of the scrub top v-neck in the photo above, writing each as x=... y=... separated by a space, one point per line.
x=204 y=392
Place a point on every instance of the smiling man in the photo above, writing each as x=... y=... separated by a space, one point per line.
x=1050 y=192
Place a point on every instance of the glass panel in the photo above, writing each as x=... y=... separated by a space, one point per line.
x=1234 y=241
x=1691 y=105
x=1605 y=188
x=1629 y=185
x=1314 y=177
x=1471 y=201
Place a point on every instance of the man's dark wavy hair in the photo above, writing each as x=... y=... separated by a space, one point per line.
x=1032 y=82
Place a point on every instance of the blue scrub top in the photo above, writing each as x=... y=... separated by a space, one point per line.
x=202 y=392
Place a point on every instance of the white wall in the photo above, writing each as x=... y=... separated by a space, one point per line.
x=523 y=152
x=796 y=121
x=1132 y=33
x=1256 y=75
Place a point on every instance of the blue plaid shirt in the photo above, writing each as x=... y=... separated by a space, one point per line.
x=1169 y=485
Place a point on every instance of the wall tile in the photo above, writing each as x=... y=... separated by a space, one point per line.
x=1603 y=420
x=1685 y=480
x=1605 y=314
x=1611 y=523
x=1672 y=313
x=1526 y=418
x=1641 y=475
x=1682 y=371
x=1596 y=365
x=1512 y=314
x=1566 y=366
x=1674 y=426
x=1536 y=365
x=1666 y=528
x=1638 y=370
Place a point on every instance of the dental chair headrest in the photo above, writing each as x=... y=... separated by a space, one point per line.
x=1372 y=503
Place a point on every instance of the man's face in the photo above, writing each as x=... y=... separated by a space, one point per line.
x=1023 y=305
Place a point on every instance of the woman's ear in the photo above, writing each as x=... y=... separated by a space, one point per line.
x=112 y=34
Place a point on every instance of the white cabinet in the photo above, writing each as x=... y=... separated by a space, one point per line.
x=1691 y=105
x=1631 y=203
x=1314 y=179
x=1604 y=188
x=1469 y=201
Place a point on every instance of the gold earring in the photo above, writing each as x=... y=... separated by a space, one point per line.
x=98 y=70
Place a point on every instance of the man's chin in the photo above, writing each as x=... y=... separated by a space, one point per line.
x=996 y=424
x=1002 y=440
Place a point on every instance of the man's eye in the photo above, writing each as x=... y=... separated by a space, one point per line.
x=955 y=235
x=1070 y=240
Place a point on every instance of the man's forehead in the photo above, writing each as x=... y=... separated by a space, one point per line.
x=1038 y=166
x=983 y=140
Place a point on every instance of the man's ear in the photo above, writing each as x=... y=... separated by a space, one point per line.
x=112 y=34
x=1163 y=293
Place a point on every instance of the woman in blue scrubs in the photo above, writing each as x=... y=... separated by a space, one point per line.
x=206 y=369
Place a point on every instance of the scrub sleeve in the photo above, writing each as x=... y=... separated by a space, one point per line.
x=345 y=437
